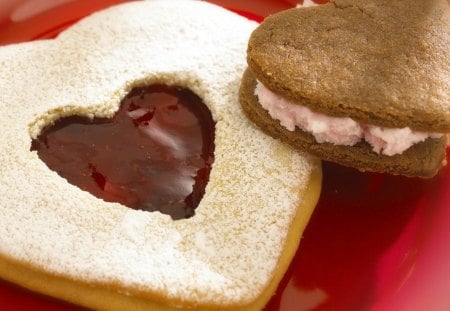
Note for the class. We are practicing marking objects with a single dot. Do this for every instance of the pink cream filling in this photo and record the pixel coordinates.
(335, 130)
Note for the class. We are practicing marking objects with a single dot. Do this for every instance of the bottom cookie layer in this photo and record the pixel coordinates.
(100, 297)
(421, 160)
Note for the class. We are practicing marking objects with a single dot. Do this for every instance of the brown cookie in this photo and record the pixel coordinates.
(421, 160)
(381, 62)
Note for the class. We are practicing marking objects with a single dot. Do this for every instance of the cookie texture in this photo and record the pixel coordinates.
(62, 241)
(380, 62)
(421, 160)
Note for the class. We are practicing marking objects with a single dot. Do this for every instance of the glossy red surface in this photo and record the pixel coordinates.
(375, 242)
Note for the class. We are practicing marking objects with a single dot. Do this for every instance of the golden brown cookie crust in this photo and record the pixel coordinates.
(381, 62)
(421, 160)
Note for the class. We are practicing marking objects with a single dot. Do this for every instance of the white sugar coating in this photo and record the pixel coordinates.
(228, 251)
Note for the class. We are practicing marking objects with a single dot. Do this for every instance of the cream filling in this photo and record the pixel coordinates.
(338, 131)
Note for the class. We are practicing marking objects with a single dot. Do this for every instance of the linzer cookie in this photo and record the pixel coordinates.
(361, 83)
(131, 179)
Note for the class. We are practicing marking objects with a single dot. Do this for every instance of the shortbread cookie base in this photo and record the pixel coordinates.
(226, 256)
(421, 160)
(109, 298)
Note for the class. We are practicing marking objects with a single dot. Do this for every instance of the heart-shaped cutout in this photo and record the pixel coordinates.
(155, 154)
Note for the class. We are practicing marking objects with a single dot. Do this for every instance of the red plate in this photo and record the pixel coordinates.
(375, 242)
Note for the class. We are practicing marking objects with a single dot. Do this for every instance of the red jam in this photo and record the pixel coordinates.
(155, 154)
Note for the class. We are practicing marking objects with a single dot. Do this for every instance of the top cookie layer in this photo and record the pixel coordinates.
(381, 62)
(227, 253)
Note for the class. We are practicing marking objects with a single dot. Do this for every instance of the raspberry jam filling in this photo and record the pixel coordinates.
(155, 154)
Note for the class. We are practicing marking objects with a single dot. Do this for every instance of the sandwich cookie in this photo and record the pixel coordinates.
(360, 83)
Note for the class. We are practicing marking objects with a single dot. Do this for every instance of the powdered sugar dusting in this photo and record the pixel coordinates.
(225, 254)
